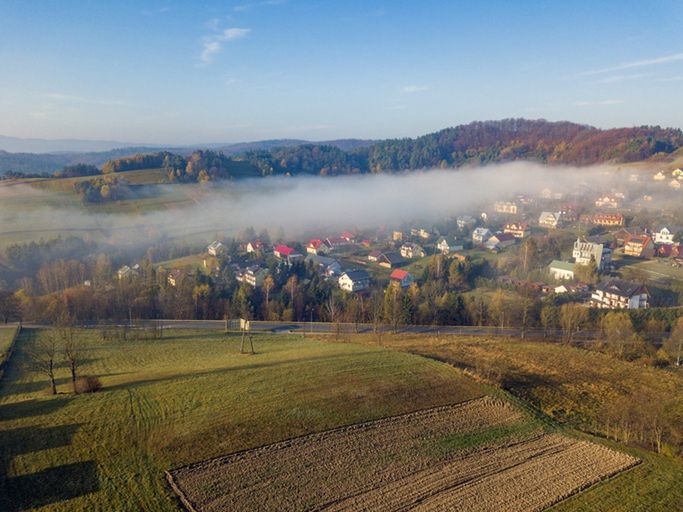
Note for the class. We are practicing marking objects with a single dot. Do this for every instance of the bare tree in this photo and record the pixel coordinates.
(43, 357)
(674, 344)
(572, 319)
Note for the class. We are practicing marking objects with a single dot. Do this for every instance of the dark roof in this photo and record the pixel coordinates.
(393, 257)
(620, 287)
(357, 275)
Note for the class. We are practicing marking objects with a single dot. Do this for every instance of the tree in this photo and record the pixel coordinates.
(529, 254)
(572, 319)
(71, 350)
(268, 285)
(618, 331)
(9, 306)
(674, 344)
(587, 273)
(498, 309)
(42, 358)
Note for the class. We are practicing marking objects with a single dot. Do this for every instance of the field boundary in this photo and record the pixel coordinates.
(351, 426)
(8, 354)
(180, 495)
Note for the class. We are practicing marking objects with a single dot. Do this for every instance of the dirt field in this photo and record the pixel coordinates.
(471, 456)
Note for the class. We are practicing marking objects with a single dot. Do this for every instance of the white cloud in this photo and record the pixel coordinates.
(597, 103)
(410, 89)
(621, 78)
(214, 44)
(664, 59)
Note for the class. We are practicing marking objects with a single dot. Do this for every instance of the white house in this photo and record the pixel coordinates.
(664, 236)
(660, 176)
(561, 269)
(317, 247)
(410, 250)
(549, 220)
(328, 266)
(620, 294)
(215, 248)
(444, 247)
(675, 184)
(584, 251)
(465, 221)
(354, 280)
(481, 235)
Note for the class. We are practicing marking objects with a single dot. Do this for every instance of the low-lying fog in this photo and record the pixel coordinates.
(296, 205)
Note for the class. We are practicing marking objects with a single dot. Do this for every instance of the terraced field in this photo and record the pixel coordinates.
(399, 464)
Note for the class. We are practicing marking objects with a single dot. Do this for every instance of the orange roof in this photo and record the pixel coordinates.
(399, 274)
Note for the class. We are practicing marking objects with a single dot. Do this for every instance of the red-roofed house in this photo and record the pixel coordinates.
(640, 247)
(402, 277)
(348, 236)
(283, 251)
(317, 247)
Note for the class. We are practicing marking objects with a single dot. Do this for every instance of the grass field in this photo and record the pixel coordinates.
(572, 386)
(185, 398)
(6, 337)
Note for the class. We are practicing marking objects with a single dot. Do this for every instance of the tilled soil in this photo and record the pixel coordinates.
(389, 464)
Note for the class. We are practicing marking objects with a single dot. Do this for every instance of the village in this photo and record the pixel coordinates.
(599, 248)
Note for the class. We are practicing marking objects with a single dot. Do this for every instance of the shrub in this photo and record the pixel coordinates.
(87, 384)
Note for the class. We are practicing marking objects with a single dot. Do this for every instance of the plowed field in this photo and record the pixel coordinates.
(471, 456)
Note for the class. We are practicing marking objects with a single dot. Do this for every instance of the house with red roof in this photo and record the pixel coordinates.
(317, 247)
(640, 247)
(401, 277)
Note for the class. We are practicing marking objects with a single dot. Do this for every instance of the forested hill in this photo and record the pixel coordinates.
(474, 143)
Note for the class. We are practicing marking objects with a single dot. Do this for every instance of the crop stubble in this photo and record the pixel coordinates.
(390, 464)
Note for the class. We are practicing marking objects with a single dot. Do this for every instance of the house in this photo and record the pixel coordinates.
(677, 173)
(317, 247)
(255, 246)
(286, 253)
(354, 280)
(666, 235)
(500, 241)
(608, 219)
(328, 266)
(422, 233)
(505, 207)
(375, 255)
(465, 221)
(634, 178)
(390, 260)
(619, 294)
(349, 237)
(550, 220)
(639, 247)
(585, 250)
(174, 277)
(445, 247)
(561, 270)
(397, 236)
(517, 229)
(410, 250)
(675, 184)
(337, 242)
(125, 272)
(216, 248)
(569, 212)
(282, 252)
(481, 235)
(403, 278)
(660, 176)
(254, 275)
(607, 202)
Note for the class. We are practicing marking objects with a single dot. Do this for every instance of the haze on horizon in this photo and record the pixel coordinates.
(177, 73)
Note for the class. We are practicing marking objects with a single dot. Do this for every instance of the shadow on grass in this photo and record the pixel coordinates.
(50, 486)
(24, 440)
(29, 408)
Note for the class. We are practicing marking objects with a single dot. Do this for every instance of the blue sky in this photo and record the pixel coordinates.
(189, 72)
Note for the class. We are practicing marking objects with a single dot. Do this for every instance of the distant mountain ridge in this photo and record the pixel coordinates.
(479, 142)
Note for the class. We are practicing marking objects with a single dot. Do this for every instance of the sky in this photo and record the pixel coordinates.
(211, 72)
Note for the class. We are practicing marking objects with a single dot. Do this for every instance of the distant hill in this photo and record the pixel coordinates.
(475, 143)
(21, 145)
